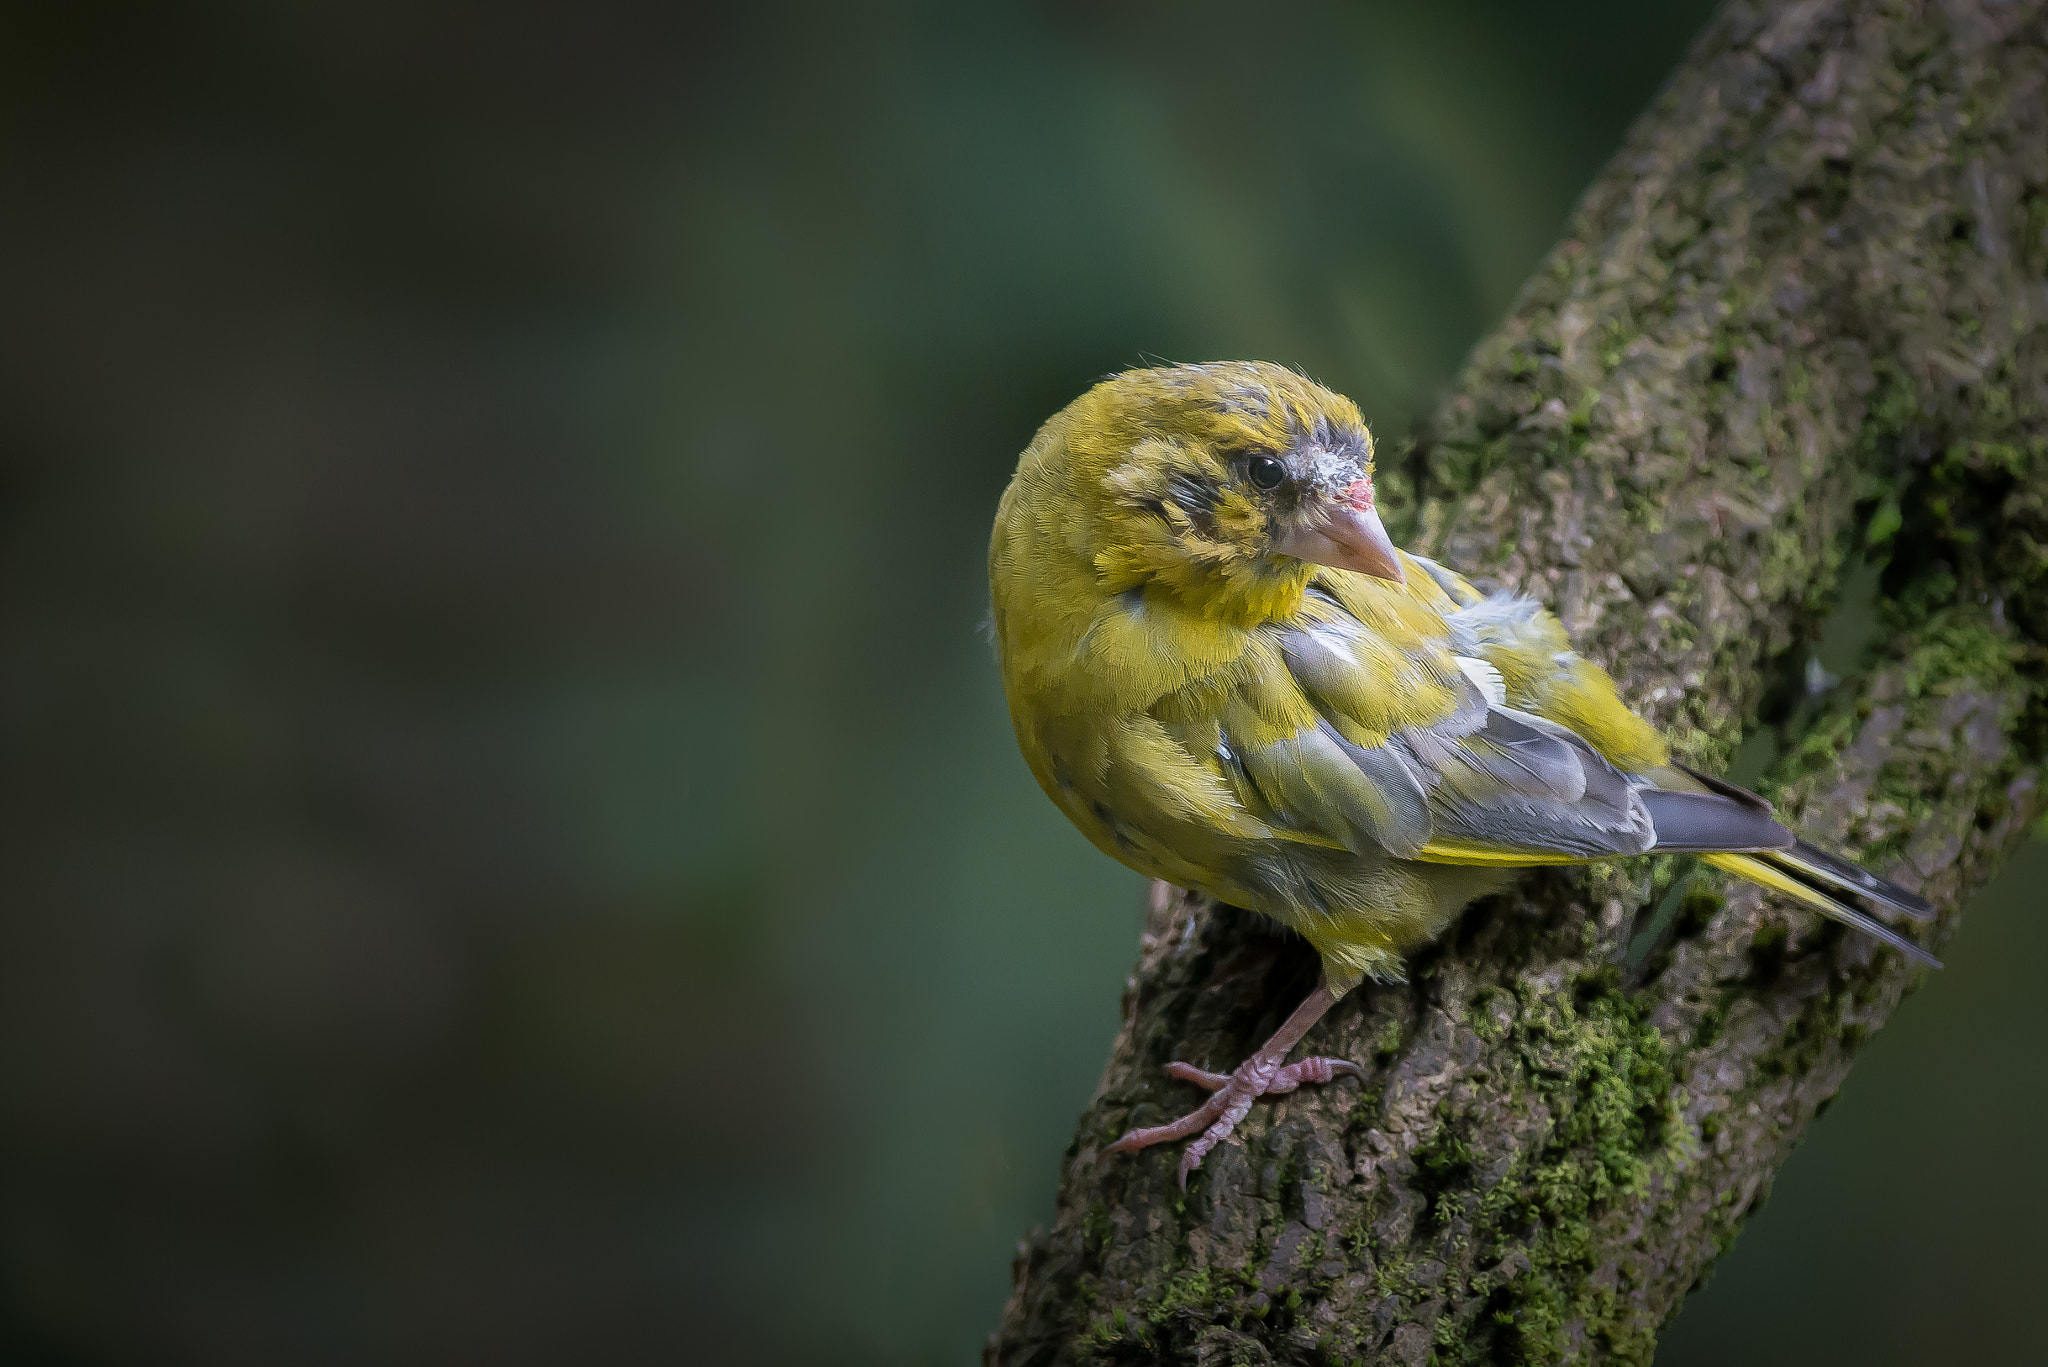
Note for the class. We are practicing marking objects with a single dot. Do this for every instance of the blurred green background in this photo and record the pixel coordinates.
(513, 850)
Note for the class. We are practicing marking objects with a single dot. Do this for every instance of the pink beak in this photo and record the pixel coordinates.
(1350, 538)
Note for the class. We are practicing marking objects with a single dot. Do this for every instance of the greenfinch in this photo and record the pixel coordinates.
(1223, 672)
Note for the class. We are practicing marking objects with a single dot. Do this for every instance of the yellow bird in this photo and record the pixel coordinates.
(1222, 671)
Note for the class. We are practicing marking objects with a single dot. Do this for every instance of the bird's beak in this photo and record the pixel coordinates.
(1349, 538)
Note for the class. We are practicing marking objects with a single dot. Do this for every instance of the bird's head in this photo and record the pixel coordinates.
(1225, 482)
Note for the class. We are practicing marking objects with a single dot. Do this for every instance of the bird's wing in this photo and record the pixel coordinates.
(1372, 725)
(1363, 728)
(1526, 650)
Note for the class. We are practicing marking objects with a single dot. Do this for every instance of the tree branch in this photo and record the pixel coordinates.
(1803, 310)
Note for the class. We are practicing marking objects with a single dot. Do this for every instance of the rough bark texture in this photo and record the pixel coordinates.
(1802, 313)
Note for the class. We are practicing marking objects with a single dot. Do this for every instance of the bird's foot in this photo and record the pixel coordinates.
(1260, 1075)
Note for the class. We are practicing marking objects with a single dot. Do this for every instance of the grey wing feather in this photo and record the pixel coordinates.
(1519, 783)
(1604, 783)
(1406, 825)
(1317, 781)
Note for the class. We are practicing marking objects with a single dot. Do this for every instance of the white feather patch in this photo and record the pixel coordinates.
(1485, 678)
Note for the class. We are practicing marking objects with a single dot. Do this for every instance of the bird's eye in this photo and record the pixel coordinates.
(1268, 473)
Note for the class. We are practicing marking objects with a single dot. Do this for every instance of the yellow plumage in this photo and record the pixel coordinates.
(1180, 689)
(1205, 682)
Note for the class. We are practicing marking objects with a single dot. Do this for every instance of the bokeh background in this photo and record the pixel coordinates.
(512, 847)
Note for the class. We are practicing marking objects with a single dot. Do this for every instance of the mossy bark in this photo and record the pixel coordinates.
(1802, 317)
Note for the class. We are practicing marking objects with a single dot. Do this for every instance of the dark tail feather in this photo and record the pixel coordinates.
(1693, 823)
(1770, 869)
(1733, 829)
(1832, 871)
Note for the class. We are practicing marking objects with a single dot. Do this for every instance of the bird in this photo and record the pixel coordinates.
(1221, 669)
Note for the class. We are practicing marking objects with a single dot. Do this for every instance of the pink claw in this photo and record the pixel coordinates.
(1232, 1093)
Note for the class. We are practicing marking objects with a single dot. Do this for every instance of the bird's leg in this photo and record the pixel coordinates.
(1262, 1074)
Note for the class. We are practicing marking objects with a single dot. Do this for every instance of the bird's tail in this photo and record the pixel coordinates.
(1818, 879)
(1734, 830)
